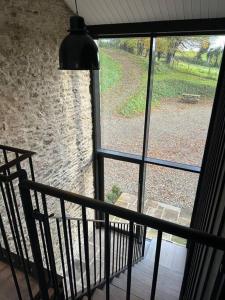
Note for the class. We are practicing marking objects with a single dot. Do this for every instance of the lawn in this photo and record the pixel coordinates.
(168, 81)
(112, 71)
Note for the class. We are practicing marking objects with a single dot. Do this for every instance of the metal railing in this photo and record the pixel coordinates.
(15, 247)
(134, 219)
(15, 243)
(73, 235)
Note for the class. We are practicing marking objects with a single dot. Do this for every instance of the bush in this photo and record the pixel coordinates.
(112, 196)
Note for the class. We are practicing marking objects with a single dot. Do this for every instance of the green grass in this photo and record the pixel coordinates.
(112, 71)
(170, 82)
(135, 104)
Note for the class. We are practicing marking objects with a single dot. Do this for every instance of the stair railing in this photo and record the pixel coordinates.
(15, 247)
(64, 199)
(96, 271)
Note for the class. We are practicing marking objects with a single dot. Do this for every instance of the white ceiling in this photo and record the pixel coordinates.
(130, 11)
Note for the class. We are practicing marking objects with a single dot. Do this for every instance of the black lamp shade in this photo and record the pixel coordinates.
(78, 50)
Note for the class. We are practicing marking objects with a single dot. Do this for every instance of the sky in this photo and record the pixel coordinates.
(218, 41)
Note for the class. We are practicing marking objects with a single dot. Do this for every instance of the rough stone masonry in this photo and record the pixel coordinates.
(44, 109)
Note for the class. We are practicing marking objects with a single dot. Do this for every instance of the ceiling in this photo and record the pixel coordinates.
(131, 11)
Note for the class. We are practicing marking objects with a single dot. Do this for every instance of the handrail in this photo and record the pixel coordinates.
(15, 161)
(18, 150)
(142, 219)
(8, 164)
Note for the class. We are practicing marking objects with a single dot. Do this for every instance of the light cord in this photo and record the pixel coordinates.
(76, 7)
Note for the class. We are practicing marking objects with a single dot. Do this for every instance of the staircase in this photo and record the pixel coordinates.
(94, 272)
(54, 256)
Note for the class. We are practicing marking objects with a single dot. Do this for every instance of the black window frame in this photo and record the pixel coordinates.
(151, 30)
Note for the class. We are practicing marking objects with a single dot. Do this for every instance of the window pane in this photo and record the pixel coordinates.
(121, 183)
(185, 77)
(123, 85)
(170, 194)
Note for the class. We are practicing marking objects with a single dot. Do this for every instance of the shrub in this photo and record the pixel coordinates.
(113, 195)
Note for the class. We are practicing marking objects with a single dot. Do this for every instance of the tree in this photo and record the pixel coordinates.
(204, 46)
(161, 47)
(214, 55)
(169, 46)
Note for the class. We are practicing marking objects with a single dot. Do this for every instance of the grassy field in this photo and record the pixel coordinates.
(168, 82)
(112, 72)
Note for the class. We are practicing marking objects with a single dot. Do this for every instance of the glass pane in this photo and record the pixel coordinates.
(170, 194)
(185, 77)
(121, 183)
(123, 85)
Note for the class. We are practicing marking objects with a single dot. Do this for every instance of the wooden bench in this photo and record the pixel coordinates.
(190, 98)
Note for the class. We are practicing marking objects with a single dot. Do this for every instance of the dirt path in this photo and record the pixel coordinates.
(129, 83)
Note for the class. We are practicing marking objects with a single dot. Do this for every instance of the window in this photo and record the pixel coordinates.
(156, 97)
(123, 80)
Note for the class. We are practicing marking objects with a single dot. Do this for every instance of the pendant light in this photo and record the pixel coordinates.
(78, 50)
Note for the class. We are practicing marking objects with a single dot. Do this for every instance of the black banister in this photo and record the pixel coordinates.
(66, 240)
(139, 218)
(62, 258)
(49, 244)
(94, 251)
(130, 258)
(16, 230)
(16, 150)
(72, 256)
(80, 254)
(86, 251)
(107, 254)
(32, 230)
(9, 258)
(156, 265)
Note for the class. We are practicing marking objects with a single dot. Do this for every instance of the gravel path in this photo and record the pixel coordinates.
(177, 132)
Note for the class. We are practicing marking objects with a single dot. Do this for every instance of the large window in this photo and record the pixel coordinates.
(156, 97)
(123, 80)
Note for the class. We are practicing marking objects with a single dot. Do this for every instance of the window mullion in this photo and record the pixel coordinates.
(142, 169)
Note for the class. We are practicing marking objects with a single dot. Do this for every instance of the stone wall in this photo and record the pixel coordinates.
(44, 109)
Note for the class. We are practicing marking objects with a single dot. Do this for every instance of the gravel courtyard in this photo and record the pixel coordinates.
(177, 132)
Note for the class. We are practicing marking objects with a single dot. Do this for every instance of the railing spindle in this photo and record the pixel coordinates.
(113, 248)
(107, 254)
(117, 247)
(51, 255)
(14, 207)
(136, 244)
(10, 220)
(120, 246)
(94, 250)
(62, 204)
(126, 244)
(9, 258)
(143, 241)
(44, 243)
(80, 255)
(129, 260)
(62, 258)
(123, 262)
(72, 256)
(100, 252)
(86, 251)
(33, 236)
(156, 264)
